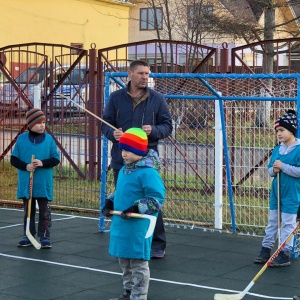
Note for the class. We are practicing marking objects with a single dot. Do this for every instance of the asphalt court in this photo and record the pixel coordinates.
(199, 263)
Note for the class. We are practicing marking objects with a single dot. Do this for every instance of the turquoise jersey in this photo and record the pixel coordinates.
(43, 177)
(289, 186)
(127, 236)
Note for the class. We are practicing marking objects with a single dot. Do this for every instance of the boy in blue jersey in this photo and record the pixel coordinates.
(284, 162)
(139, 189)
(40, 144)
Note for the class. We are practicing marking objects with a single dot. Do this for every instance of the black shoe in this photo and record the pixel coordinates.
(263, 256)
(282, 260)
(124, 296)
(296, 298)
(158, 253)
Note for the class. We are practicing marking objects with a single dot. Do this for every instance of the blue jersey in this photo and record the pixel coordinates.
(42, 177)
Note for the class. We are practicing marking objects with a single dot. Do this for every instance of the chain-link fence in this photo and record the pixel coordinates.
(207, 186)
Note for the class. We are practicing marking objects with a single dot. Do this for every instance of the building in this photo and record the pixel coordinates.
(68, 22)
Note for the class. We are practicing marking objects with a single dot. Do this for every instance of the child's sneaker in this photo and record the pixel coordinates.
(282, 260)
(263, 256)
(45, 243)
(124, 296)
(24, 242)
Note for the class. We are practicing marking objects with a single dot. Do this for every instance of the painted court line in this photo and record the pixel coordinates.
(53, 220)
(68, 217)
(152, 279)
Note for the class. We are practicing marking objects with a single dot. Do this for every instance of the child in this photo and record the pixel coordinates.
(139, 189)
(284, 162)
(40, 144)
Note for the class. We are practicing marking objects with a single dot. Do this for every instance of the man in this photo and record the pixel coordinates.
(138, 106)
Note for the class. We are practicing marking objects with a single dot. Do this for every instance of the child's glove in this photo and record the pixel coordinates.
(131, 209)
(109, 205)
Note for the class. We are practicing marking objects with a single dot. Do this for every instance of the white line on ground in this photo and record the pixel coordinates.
(152, 279)
(115, 273)
(61, 219)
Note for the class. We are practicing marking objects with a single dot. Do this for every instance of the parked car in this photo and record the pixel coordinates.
(36, 86)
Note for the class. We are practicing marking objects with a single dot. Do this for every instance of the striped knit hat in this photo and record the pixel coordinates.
(134, 140)
(34, 116)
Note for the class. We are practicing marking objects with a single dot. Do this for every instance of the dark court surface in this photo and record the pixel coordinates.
(198, 264)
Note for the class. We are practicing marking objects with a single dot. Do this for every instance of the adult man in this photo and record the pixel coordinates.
(138, 106)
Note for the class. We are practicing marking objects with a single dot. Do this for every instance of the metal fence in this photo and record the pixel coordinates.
(204, 187)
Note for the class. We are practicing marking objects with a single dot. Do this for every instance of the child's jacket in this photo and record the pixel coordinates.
(135, 182)
(289, 185)
(42, 177)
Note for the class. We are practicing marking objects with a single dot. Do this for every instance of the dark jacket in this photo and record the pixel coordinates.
(120, 113)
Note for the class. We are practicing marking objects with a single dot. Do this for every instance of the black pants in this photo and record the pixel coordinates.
(159, 240)
(44, 223)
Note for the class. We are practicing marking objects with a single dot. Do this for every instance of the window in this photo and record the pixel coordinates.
(76, 45)
(198, 16)
(148, 20)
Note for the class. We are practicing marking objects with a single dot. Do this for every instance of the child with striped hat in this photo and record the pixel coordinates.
(40, 144)
(139, 189)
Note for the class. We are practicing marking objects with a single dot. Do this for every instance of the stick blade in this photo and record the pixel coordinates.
(151, 227)
(228, 296)
(32, 240)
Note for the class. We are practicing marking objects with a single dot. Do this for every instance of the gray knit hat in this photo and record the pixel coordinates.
(288, 121)
(34, 116)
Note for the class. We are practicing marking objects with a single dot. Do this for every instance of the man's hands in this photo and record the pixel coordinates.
(147, 129)
(118, 133)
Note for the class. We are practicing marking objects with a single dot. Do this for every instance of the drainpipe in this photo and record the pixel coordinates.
(92, 132)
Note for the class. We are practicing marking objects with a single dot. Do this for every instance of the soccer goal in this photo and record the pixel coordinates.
(214, 165)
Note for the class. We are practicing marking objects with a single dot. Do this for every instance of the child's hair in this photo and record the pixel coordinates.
(134, 140)
(34, 116)
(288, 121)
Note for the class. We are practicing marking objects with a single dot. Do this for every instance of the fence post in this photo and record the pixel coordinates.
(218, 166)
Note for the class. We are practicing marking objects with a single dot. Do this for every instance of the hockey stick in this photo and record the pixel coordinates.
(89, 112)
(278, 209)
(33, 241)
(152, 220)
(267, 264)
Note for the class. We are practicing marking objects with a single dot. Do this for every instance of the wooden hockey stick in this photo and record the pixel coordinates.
(278, 209)
(267, 264)
(152, 220)
(33, 241)
(89, 112)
